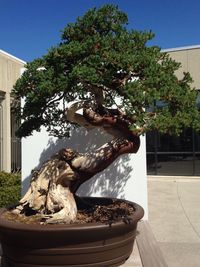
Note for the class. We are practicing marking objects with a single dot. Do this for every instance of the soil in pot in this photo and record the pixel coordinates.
(108, 213)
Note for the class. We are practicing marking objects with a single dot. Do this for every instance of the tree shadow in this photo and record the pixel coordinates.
(110, 182)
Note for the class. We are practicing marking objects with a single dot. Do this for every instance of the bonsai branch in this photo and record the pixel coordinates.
(72, 116)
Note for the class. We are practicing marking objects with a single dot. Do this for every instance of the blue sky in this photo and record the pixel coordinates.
(29, 27)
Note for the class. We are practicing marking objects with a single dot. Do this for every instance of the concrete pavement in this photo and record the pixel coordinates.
(174, 216)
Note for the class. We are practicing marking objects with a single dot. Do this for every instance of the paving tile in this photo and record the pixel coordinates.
(181, 255)
(167, 217)
(134, 260)
(174, 216)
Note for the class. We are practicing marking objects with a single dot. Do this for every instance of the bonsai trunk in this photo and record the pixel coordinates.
(54, 185)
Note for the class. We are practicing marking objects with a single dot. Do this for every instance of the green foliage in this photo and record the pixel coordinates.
(10, 188)
(98, 53)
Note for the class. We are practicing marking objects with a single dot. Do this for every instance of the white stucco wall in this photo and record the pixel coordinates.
(125, 178)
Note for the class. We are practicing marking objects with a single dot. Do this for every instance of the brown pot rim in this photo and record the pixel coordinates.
(137, 215)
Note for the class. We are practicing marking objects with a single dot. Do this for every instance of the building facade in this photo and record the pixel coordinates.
(10, 148)
(171, 155)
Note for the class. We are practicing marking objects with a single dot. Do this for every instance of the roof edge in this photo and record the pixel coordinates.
(181, 48)
(162, 50)
(13, 57)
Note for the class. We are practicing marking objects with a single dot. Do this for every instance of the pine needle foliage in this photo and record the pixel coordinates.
(99, 53)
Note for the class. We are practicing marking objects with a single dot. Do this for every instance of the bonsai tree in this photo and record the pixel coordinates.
(100, 75)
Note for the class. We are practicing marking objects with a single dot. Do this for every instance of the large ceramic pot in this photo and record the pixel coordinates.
(91, 244)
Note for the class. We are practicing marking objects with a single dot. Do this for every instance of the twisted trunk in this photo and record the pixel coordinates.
(52, 188)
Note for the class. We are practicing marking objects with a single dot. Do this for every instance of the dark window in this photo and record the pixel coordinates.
(172, 155)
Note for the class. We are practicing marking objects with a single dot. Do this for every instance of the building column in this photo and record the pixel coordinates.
(6, 157)
(1, 129)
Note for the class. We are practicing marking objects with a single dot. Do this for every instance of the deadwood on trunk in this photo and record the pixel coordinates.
(54, 185)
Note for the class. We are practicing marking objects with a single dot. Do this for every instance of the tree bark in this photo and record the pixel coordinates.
(53, 187)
